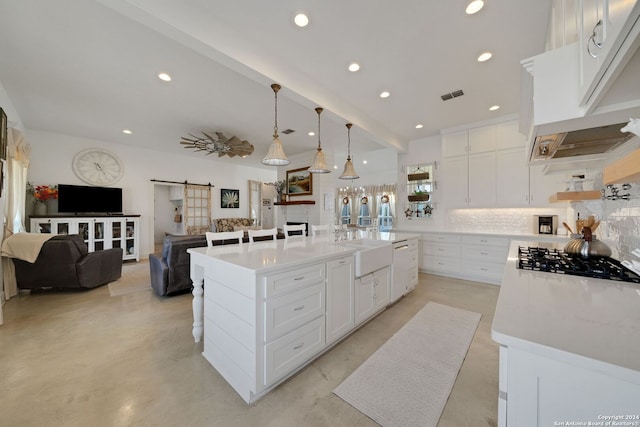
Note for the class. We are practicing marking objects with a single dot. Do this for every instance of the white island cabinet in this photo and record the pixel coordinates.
(569, 349)
(269, 308)
(266, 309)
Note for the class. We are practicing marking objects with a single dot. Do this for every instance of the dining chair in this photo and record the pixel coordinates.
(297, 230)
(262, 234)
(321, 229)
(222, 236)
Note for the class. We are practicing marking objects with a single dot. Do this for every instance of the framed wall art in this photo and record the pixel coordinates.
(3, 135)
(299, 182)
(229, 198)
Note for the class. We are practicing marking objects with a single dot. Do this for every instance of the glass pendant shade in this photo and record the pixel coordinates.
(275, 156)
(349, 172)
(319, 165)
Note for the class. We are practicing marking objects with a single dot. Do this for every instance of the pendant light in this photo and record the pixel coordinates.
(319, 165)
(349, 172)
(275, 156)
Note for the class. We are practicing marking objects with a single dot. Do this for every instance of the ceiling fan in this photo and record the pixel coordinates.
(220, 144)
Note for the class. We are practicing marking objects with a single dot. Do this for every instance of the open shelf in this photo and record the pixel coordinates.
(567, 196)
(296, 202)
(624, 170)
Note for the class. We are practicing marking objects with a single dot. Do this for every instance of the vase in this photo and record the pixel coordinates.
(283, 197)
(52, 206)
(40, 208)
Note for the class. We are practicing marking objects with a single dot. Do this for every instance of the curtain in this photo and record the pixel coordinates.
(14, 195)
(349, 202)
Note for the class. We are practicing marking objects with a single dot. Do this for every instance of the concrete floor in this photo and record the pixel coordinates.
(92, 359)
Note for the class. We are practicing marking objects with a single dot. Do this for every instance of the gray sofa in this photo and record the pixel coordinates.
(170, 269)
(65, 263)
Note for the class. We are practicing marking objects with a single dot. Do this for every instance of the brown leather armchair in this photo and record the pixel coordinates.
(65, 263)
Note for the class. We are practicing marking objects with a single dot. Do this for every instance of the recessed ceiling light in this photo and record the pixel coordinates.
(335, 166)
(364, 162)
(494, 108)
(485, 56)
(311, 133)
(354, 66)
(127, 131)
(384, 94)
(301, 20)
(164, 77)
(419, 126)
(474, 7)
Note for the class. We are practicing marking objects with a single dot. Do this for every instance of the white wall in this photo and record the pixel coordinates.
(52, 155)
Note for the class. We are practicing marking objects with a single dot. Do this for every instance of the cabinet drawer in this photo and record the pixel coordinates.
(442, 264)
(489, 253)
(290, 351)
(441, 249)
(276, 284)
(441, 237)
(484, 269)
(290, 311)
(486, 240)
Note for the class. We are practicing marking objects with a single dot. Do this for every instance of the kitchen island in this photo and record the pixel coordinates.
(268, 308)
(569, 348)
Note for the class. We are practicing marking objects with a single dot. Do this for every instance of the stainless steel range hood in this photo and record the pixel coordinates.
(585, 142)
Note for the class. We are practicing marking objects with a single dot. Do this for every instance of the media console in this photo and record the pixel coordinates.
(98, 231)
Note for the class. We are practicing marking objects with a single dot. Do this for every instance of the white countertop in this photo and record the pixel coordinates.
(519, 236)
(560, 316)
(268, 255)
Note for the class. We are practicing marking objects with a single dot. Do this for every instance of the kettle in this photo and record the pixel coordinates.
(586, 245)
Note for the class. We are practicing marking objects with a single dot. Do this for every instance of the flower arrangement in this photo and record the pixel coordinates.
(42, 193)
(280, 185)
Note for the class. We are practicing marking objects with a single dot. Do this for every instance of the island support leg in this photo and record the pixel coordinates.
(197, 276)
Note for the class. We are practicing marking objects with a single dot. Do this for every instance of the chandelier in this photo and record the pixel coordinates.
(219, 144)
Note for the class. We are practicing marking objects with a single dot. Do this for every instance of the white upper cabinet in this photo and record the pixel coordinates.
(605, 25)
(508, 136)
(513, 178)
(482, 139)
(455, 144)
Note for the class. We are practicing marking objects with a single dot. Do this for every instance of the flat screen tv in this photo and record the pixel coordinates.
(86, 199)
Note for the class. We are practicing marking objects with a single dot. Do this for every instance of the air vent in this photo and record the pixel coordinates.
(288, 131)
(454, 94)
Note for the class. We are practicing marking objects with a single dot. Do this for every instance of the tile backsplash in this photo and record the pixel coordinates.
(620, 222)
(507, 221)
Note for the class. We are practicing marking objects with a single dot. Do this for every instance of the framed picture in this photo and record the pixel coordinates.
(229, 198)
(299, 182)
(1, 177)
(3, 135)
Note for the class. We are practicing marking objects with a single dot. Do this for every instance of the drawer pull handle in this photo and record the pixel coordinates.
(484, 240)
(484, 269)
(299, 346)
(440, 250)
(441, 263)
(341, 262)
(298, 308)
(299, 278)
(484, 253)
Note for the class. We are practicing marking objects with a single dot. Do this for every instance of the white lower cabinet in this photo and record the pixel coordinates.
(467, 256)
(372, 294)
(540, 390)
(289, 351)
(340, 298)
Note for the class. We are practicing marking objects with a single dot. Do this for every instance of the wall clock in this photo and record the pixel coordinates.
(97, 167)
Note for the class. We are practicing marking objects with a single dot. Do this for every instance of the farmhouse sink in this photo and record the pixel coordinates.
(372, 255)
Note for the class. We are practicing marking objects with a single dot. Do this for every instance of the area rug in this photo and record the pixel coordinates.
(407, 381)
(135, 278)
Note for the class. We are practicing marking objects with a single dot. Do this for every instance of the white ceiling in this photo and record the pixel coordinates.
(88, 68)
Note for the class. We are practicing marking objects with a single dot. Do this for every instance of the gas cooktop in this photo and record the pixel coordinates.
(557, 261)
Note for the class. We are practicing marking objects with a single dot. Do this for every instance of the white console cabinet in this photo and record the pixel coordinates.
(99, 233)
